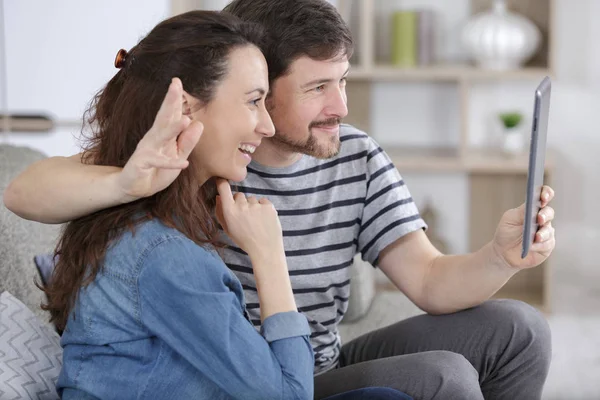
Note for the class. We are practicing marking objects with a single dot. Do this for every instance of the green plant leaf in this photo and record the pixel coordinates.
(511, 119)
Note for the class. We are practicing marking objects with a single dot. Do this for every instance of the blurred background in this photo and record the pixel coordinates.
(445, 86)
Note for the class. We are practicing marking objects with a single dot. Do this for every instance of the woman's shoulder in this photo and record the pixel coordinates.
(172, 261)
(150, 232)
(152, 240)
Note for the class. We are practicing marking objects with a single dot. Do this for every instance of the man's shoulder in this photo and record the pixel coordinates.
(354, 140)
(347, 129)
(350, 132)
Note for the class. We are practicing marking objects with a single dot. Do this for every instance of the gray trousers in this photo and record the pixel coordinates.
(498, 350)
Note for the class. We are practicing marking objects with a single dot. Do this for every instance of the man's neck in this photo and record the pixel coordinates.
(271, 155)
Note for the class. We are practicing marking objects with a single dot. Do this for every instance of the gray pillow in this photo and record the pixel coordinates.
(30, 353)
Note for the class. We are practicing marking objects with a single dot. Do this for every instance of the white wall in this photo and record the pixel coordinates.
(214, 4)
(58, 54)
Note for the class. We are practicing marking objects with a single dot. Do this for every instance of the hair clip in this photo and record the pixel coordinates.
(121, 58)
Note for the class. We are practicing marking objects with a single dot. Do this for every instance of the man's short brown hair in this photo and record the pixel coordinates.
(296, 28)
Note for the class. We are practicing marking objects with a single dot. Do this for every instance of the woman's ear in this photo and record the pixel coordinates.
(186, 103)
(191, 106)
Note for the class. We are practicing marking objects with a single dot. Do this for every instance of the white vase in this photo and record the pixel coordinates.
(513, 141)
(500, 39)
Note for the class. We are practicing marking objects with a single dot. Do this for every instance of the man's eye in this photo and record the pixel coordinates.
(320, 88)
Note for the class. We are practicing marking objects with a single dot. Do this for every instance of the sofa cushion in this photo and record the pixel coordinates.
(30, 353)
(21, 240)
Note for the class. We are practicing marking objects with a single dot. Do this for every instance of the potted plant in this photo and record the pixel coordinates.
(513, 138)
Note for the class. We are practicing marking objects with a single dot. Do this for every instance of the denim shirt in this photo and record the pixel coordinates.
(165, 319)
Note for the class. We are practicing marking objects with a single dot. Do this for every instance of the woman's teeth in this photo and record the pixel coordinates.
(247, 148)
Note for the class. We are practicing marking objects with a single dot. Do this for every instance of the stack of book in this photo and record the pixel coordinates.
(412, 39)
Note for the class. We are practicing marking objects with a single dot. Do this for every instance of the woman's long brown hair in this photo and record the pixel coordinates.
(193, 47)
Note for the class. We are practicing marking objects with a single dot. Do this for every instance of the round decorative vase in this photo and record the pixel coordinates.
(513, 141)
(500, 39)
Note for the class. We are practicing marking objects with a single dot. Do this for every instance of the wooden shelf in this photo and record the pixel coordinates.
(35, 123)
(26, 123)
(443, 73)
(474, 160)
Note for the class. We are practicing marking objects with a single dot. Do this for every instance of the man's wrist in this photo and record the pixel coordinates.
(115, 182)
(498, 261)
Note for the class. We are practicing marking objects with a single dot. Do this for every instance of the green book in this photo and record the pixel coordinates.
(404, 38)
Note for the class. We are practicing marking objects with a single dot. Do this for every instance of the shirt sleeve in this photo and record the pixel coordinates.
(185, 301)
(389, 212)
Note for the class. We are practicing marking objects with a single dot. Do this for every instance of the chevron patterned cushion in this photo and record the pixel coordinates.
(30, 353)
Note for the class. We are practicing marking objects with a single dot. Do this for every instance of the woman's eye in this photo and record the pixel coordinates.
(256, 102)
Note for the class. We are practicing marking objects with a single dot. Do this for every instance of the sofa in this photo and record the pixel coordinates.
(30, 353)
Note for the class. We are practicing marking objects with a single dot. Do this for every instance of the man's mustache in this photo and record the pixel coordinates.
(326, 123)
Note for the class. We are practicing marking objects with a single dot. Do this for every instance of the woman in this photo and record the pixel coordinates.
(155, 313)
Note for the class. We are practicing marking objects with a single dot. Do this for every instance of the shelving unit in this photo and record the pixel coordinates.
(443, 73)
(497, 182)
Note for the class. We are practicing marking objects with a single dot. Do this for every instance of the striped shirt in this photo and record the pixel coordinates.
(329, 210)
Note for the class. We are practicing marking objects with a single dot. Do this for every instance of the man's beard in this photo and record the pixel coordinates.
(311, 146)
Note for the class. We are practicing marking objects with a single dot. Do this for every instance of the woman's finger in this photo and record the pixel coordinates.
(188, 139)
(225, 195)
(266, 202)
(240, 198)
(219, 213)
(170, 110)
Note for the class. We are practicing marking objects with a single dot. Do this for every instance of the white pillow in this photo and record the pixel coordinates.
(30, 353)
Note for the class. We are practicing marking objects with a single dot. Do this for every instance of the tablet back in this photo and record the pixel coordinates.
(537, 157)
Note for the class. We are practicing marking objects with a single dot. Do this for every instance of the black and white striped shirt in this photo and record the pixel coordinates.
(329, 210)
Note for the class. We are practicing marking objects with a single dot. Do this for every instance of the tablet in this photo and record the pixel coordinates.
(537, 157)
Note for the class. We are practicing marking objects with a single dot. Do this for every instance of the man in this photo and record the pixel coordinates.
(337, 193)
